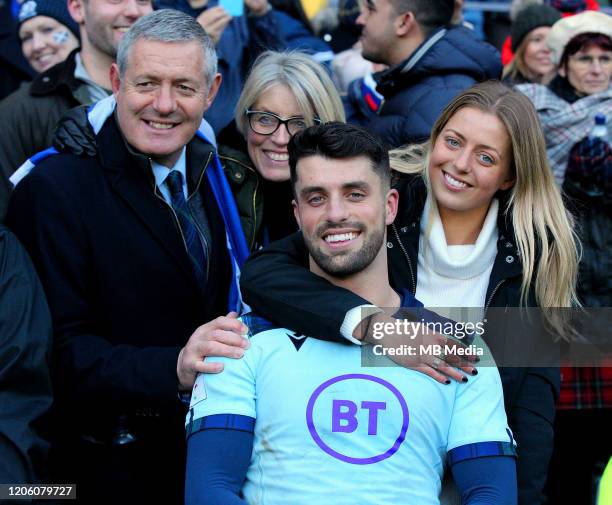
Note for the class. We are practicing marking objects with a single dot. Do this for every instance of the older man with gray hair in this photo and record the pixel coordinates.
(138, 250)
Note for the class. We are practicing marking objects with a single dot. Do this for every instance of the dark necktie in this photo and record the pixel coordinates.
(193, 240)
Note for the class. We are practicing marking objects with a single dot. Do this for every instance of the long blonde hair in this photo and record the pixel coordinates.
(543, 228)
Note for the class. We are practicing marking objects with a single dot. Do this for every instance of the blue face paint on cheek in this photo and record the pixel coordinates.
(60, 37)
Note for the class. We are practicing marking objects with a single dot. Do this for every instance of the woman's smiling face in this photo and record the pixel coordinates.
(45, 42)
(269, 152)
(538, 56)
(470, 161)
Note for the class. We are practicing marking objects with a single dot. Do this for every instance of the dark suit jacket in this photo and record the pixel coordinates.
(118, 279)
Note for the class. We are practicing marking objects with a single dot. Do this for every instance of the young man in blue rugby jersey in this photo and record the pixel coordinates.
(302, 421)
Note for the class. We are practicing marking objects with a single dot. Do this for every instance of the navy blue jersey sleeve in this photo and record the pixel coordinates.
(486, 481)
(217, 462)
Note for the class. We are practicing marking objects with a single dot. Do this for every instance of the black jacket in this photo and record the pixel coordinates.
(29, 116)
(417, 90)
(25, 351)
(274, 285)
(122, 294)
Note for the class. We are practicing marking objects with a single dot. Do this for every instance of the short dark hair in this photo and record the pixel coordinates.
(429, 14)
(585, 41)
(339, 141)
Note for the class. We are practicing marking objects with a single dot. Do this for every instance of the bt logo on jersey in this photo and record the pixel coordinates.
(344, 418)
(357, 418)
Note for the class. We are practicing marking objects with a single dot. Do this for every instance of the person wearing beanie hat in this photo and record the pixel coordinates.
(565, 7)
(47, 32)
(532, 60)
(532, 17)
(581, 46)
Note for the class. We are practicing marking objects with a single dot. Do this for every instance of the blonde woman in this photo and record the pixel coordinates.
(284, 93)
(532, 60)
(478, 210)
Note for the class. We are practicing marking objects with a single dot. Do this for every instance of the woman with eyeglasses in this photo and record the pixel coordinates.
(284, 93)
(582, 46)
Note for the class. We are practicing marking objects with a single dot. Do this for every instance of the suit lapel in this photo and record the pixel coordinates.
(130, 177)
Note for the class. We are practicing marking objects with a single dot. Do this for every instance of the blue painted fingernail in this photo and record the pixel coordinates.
(474, 372)
(464, 379)
(447, 382)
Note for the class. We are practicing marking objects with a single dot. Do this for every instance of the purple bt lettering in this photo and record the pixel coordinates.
(344, 410)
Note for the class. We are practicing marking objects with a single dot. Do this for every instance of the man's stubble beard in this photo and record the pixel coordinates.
(97, 36)
(353, 262)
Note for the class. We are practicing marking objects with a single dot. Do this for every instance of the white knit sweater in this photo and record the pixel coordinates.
(458, 275)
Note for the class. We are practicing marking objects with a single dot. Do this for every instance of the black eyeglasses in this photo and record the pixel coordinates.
(266, 123)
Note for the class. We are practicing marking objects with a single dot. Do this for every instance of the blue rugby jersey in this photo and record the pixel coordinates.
(324, 423)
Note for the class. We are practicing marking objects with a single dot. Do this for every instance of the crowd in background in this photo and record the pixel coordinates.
(390, 66)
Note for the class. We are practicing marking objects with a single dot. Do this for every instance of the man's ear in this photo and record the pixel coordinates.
(212, 92)
(76, 8)
(391, 206)
(404, 23)
(296, 212)
(115, 79)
